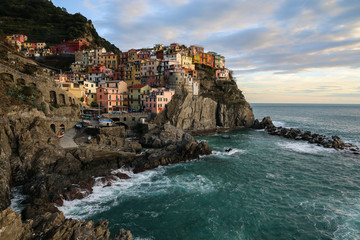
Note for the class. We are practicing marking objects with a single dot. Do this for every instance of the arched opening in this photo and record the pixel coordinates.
(73, 101)
(7, 77)
(21, 82)
(53, 100)
(52, 126)
(70, 101)
(62, 127)
(62, 99)
(123, 124)
(124, 118)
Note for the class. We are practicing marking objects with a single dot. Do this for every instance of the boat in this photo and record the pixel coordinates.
(60, 134)
(105, 122)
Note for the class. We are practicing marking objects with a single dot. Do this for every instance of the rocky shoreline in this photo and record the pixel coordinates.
(51, 174)
(334, 142)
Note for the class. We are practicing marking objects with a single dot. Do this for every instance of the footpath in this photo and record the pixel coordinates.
(67, 141)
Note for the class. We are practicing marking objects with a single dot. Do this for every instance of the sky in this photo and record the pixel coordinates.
(281, 51)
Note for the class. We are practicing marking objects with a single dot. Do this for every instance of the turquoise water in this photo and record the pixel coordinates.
(266, 187)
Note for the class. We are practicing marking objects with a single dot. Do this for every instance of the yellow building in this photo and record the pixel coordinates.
(158, 47)
(186, 62)
(89, 92)
(75, 89)
(110, 60)
(196, 59)
(136, 93)
(132, 55)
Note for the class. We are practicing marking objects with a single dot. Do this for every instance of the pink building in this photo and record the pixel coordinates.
(112, 96)
(222, 74)
(158, 99)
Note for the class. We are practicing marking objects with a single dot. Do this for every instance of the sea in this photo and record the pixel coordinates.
(265, 187)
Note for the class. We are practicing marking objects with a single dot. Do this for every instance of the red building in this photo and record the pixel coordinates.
(160, 54)
(70, 46)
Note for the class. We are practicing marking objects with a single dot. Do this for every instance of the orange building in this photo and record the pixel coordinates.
(110, 60)
(207, 59)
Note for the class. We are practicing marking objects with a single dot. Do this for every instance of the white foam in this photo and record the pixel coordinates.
(232, 152)
(304, 147)
(279, 124)
(148, 183)
(17, 198)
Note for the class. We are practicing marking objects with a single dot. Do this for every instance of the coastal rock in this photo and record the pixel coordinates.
(11, 226)
(177, 146)
(164, 136)
(55, 226)
(123, 235)
(265, 123)
(216, 105)
(298, 134)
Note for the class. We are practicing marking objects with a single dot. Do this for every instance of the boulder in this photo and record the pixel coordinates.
(11, 226)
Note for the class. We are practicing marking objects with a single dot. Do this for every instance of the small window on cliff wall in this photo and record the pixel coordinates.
(52, 126)
(53, 100)
(62, 99)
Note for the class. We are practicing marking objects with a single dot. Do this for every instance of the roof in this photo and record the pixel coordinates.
(136, 86)
(95, 71)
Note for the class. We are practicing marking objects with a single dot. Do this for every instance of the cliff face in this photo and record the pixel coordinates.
(219, 104)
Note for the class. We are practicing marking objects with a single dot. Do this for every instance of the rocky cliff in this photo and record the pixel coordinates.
(30, 155)
(219, 104)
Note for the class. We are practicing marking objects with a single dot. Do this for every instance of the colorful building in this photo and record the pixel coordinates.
(112, 96)
(195, 50)
(207, 59)
(136, 96)
(75, 89)
(186, 62)
(110, 60)
(158, 99)
(70, 47)
(222, 74)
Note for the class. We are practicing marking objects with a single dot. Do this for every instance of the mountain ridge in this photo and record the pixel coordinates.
(42, 21)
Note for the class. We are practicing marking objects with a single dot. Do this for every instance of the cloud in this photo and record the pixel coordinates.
(279, 38)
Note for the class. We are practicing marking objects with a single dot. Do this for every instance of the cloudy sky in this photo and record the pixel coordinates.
(290, 51)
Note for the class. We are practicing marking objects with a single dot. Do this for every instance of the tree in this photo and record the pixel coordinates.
(94, 104)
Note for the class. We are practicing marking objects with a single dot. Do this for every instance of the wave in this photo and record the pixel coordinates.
(17, 198)
(146, 184)
(304, 147)
(279, 124)
(345, 214)
(232, 152)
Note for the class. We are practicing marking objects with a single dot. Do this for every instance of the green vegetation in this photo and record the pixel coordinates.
(26, 94)
(94, 105)
(41, 21)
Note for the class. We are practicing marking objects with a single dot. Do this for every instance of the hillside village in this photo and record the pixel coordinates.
(141, 80)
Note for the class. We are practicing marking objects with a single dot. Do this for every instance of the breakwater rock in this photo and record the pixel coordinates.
(313, 138)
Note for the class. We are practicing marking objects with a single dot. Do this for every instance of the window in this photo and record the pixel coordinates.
(100, 96)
